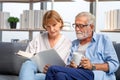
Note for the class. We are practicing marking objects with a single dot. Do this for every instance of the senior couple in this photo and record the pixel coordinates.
(100, 61)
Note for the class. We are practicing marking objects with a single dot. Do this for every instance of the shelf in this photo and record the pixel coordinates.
(101, 0)
(32, 30)
(28, 30)
(115, 30)
(22, 29)
(28, 1)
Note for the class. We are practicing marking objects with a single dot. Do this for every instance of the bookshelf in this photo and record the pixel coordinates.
(30, 2)
(25, 30)
(101, 0)
(114, 30)
(94, 8)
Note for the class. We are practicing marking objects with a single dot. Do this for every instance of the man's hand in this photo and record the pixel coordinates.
(73, 65)
(46, 68)
(86, 64)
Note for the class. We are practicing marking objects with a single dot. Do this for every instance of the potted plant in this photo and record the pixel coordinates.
(13, 21)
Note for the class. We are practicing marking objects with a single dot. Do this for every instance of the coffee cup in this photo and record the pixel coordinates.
(77, 56)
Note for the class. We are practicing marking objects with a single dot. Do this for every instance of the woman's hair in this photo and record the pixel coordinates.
(53, 15)
(91, 18)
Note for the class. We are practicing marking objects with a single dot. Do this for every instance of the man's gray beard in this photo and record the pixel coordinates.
(80, 36)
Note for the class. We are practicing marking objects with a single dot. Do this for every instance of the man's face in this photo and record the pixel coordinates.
(82, 28)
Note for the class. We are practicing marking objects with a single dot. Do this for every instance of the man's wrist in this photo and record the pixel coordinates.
(93, 67)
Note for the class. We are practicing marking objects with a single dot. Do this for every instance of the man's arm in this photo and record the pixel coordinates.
(85, 63)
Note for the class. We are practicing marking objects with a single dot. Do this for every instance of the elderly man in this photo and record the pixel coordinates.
(100, 61)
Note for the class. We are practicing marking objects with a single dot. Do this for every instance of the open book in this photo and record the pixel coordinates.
(25, 54)
(42, 58)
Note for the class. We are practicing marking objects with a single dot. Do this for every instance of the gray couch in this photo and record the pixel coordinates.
(10, 63)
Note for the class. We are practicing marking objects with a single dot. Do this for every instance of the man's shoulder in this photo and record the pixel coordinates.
(100, 36)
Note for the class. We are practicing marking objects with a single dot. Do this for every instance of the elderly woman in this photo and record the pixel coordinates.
(52, 38)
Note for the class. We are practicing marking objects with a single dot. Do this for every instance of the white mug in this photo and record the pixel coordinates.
(77, 56)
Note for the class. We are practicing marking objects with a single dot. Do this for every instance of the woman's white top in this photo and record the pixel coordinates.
(41, 43)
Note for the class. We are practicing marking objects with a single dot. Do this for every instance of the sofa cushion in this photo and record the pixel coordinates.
(9, 61)
(117, 49)
(8, 77)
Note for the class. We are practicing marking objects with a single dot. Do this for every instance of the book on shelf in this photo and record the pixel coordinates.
(112, 19)
(37, 16)
(31, 19)
(115, 19)
(3, 20)
(42, 58)
(118, 19)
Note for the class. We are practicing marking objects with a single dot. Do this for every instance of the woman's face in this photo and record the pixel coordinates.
(53, 27)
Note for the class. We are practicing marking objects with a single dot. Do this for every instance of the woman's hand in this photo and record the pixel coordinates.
(46, 68)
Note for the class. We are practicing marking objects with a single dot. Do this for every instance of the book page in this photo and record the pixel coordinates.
(50, 56)
(25, 54)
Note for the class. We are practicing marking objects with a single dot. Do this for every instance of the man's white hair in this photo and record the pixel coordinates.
(91, 17)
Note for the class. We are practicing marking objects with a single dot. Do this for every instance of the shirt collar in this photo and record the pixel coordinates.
(94, 38)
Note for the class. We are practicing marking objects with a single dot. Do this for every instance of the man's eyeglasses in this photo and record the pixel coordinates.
(80, 25)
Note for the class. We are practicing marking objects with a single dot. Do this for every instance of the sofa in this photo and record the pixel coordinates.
(10, 63)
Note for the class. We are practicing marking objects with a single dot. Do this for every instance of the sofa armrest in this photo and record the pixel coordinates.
(117, 49)
(10, 63)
